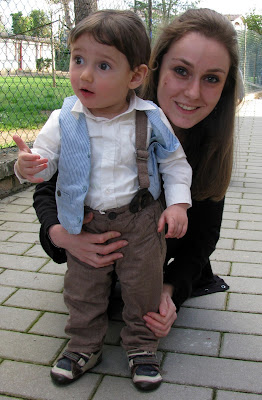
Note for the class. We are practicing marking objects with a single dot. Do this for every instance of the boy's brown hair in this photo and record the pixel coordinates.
(122, 29)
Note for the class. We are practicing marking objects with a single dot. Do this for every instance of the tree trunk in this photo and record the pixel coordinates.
(83, 8)
(69, 23)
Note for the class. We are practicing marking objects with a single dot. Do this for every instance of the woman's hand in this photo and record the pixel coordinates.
(160, 323)
(88, 247)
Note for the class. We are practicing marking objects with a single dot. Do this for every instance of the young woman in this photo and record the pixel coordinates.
(193, 78)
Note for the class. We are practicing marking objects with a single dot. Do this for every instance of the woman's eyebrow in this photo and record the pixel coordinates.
(186, 62)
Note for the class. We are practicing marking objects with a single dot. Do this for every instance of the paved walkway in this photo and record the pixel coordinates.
(214, 351)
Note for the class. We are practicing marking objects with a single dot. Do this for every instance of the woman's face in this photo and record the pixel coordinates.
(192, 76)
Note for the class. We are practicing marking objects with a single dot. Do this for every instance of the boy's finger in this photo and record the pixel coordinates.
(21, 144)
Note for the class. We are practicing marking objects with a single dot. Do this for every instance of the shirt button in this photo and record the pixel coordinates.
(112, 215)
(58, 193)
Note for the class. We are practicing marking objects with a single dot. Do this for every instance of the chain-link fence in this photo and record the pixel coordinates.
(34, 58)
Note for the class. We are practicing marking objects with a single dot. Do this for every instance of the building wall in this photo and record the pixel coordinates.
(21, 54)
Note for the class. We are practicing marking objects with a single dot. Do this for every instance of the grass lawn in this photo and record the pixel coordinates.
(26, 101)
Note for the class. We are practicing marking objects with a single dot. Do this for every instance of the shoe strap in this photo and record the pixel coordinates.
(144, 360)
(75, 357)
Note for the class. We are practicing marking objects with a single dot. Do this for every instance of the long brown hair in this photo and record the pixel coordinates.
(209, 144)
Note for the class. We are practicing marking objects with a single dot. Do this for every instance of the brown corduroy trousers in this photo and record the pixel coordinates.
(140, 272)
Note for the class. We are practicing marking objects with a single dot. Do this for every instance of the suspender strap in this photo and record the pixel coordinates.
(141, 150)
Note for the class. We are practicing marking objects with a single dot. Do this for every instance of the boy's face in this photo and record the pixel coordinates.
(100, 76)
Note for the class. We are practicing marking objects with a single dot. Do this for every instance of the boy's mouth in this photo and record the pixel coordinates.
(86, 91)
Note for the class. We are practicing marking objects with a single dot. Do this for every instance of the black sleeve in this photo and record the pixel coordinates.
(190, 265)
(46, 211)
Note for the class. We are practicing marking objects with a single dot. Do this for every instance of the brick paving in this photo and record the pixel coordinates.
(214, 350)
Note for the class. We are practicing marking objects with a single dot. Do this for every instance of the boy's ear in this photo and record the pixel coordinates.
(138, 76)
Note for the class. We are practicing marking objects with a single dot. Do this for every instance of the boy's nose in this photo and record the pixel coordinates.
(87, 74)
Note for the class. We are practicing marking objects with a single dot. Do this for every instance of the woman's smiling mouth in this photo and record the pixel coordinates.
(187, 108)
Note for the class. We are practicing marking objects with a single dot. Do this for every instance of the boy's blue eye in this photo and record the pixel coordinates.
(79, 60)
(104, 66)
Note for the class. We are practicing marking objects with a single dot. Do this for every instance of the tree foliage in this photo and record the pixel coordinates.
(162, 10)
(36, 24)
(254, 22)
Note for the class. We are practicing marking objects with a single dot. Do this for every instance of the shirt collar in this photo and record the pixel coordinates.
(136, 103)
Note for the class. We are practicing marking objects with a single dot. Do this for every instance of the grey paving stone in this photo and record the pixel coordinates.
(225, 244)
(51, 324)
(244, 285)
(244, 303)
(221, 267)
(237, 256)
(10, 261)
(24, 201)
(15, 248)
(21, 227)
(32, 280)
(243, 347)
(29, 348)
(30, 210)
(16, 319)
(249, 245)
(248, 270)
(54, 268)
(25, 237)
(36, 251)
(16, 217)
(240, 201)
(12, 208)
(251, 209)
(234, 208)
(252, 196)
(231, 195)
(241, 234)
(5, 236)
(221, 321)
(214, 301)
(228, 223)
(5, 292)
(252, 225)
(191, 341)
(38, 300)
(113, 388)
(242, 216)
(16, 380)
(225, 395)
(199, 371)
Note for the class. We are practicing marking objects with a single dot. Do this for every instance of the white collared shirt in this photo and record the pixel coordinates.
(113, 176)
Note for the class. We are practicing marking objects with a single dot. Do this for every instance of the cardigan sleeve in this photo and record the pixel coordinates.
(46, 211)
(189, 266)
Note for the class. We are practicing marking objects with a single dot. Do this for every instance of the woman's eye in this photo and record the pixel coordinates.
(79, 60)
(180, 71)
(104, 66)
(212, 79)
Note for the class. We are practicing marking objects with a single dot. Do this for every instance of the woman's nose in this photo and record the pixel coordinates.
(193, 89)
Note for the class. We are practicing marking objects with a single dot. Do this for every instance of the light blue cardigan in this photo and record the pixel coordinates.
(75, 163)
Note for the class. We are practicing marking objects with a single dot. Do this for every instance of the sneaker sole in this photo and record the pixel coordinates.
(147, 386)
(62, 380)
